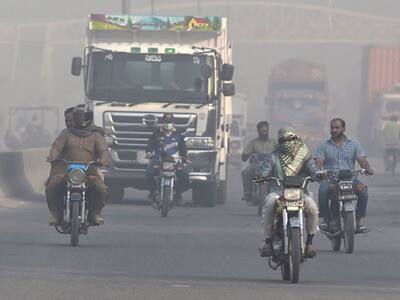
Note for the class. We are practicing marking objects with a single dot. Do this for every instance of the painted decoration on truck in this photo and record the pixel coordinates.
(128, 22)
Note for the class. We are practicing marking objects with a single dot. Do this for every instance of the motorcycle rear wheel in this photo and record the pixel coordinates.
(75, 224)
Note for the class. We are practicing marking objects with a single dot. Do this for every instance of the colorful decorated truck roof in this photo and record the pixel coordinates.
(102, 22)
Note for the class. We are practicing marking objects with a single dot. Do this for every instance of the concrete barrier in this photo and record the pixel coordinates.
(23, 172)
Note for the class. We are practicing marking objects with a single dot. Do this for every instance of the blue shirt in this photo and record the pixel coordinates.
(340, 158)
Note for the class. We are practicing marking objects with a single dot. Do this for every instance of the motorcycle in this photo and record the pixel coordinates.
(288, 226)
(166, 179)
(76, 202)
(390, 159)
(259, 189)
(343, 203)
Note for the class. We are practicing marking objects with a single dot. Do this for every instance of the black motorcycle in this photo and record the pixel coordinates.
(288, 226)
(343, 203)
(259, 188)
(76, 202)
(166, 169)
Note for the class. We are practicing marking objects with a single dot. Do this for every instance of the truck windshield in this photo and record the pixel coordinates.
(135, 77)
(392, 105)
(303, 110)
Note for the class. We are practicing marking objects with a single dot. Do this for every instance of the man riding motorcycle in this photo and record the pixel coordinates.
(166, 141)
(261, 145)
(291, 158)
(81, 143)
(336, 154)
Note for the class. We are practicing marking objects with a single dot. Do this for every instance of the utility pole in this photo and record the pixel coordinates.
(125, 7)
(198, 7)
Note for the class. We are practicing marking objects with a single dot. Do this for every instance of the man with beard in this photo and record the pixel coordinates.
(83, 142)
(291, 158)
(336, 154)
(261, 145)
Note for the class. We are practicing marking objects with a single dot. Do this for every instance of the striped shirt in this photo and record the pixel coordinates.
(340, 158)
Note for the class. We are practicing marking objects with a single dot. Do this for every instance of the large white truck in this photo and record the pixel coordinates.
(137, 68)
(238, 130)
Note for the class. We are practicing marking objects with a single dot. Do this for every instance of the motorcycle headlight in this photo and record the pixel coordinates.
(292, 194)
(76, 176)
(168, 166)
(199, 142)
(346, 186)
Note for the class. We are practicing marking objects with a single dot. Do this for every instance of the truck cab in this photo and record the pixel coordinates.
(137, 68)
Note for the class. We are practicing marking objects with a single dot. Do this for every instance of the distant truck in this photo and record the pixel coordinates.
(135, 69)
(380, 92)
(298, 96)
(238, 130)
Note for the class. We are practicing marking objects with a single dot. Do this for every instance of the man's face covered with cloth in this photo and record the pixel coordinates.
(293, 153)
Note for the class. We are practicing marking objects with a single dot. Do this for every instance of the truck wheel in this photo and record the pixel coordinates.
(115, 193)
(205, 194)
(222, 193)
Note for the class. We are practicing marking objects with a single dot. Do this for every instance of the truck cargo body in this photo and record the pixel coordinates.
(380, 90)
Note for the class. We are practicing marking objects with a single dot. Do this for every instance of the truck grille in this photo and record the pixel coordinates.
(130, 132)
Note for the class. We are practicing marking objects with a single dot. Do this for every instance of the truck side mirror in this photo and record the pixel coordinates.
(76, 66)
(227, 72)
(206, 70)
(228, 89)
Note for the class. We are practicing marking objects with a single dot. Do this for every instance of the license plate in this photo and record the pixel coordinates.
(347, 197)
(167, 182)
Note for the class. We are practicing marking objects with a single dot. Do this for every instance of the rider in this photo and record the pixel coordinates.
(391, 135)
(81, 143)
(291, 158)
(166, 141)
(261, 145)
(336, 154)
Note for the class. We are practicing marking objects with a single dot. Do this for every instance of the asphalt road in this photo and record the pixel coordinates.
(195, 253)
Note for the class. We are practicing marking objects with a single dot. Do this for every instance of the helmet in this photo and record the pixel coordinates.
(81, 117)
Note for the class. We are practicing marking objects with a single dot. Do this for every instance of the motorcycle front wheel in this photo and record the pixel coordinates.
(75, 224)
(166, 195)
(295, 254)
(349, 223)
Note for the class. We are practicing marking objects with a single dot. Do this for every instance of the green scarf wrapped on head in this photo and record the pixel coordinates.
(293, 153)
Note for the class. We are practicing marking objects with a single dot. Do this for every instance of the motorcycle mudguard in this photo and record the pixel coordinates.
(348, 206)
(76, 197)
(295, 222)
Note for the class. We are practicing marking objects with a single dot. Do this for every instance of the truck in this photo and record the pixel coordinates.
(380, 92)
(298, 96)
(238, 130)
(135, 69)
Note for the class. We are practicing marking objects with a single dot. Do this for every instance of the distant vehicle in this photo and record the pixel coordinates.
(238, 130)
(298, 96)
(380, 92)
(31, 127)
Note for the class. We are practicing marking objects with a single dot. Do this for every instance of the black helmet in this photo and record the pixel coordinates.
(81, 117)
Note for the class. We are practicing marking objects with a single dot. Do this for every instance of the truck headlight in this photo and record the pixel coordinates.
(76, 176)
(292, 194)
(199, 142)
